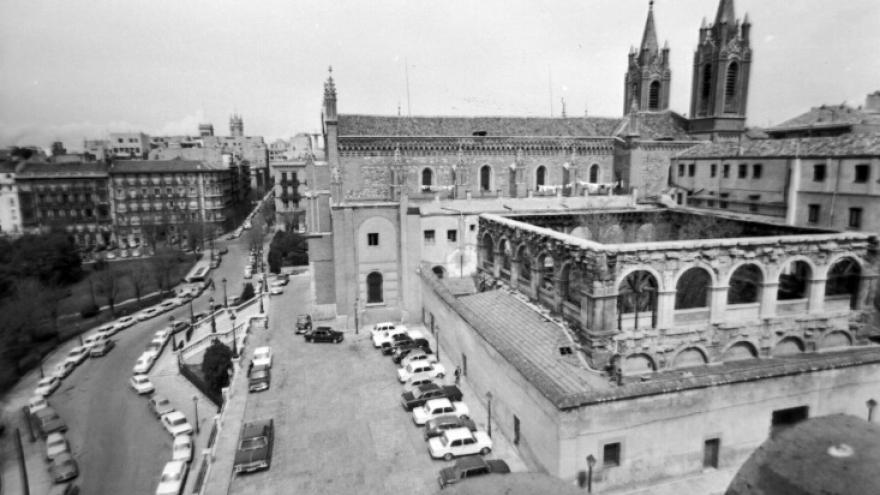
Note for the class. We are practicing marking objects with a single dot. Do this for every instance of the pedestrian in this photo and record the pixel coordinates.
(457, 374)
(250, 368)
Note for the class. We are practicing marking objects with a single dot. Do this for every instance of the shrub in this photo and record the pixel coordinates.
(248, 292)
(89, 310)
(216, 364)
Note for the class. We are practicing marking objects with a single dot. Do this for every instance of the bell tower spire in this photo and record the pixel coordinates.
(648, 75)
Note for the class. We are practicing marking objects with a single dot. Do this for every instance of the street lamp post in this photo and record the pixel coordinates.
(211, 310)
(234, 343)
(489, 414)
(173, 337)
(196, 407)
(591, 461)
(871, 405)
(192, 316)
(225, 298)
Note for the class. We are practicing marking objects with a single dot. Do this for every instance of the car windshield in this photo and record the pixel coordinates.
(253, 443)
(56, 442)
(46, 381)
(178, 421)
(444, 440)
(170, 477)
(182, 446)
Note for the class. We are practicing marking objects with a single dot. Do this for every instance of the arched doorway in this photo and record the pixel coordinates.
(794, 281)
(844, 278)
(637, 301)
(487, 252)
(540, 177)
(692, 295)
(374, 288)
(572, 284)
(745, 285)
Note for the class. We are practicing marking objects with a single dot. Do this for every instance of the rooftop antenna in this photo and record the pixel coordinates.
(398, 108)
(563, 107)
(550, 88)
(406, 72)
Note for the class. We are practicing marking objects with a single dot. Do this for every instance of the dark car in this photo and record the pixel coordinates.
(303, 323)
(397, 341)
(470, 466)
(259, 380)
(63, 468)
(254, 447)
(180, 326)
(436, 426)
(428, 391)
(48, 421)
(324, 334)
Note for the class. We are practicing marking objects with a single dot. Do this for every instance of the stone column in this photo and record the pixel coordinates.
(816, 301)
(717, 303)
(533, 283)
(867, 291)
(666, 309)
(768, 299)
(496, 263)
(514, 272)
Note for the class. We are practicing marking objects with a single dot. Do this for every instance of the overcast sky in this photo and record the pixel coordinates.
(72, 69)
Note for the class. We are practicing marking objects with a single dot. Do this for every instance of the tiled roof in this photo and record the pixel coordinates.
(73, 169)
(376, 125)
(162, 166)
(829, 116)
(845, 145)
(7, 166)
(665, 125)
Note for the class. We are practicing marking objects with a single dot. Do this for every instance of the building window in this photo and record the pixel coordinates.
(654, 96)
(486, 178)
(813, 213)
(681, 169)
(540, 177)
(819, 173)
(726, 171)
(692, 169)
(757, 170)
(855, 218)
(863, 173)
(611, 455)
(427, 179)
(429, 237)
(374, 288)
(754, 199)
(723, 202)
(785, 418)
(373, 239)
(452, 235)
(594, 173)
(711, 449)
(743, 171)
(473, 227)
(713, 170)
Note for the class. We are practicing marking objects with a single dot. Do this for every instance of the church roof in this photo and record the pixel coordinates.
(662, 126)
(649, 38)
(826, 116)
(378, 125)
(725, 13)
(844, 145)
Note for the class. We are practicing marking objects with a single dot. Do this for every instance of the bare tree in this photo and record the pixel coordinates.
(139, 280)
(109, 285)
(602, 227)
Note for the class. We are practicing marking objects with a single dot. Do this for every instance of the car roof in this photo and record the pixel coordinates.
(262, 349)
(458, 433)
(254, 428)
(172, 467)
(156, 399)
(175, 415)
(182, 439)
(438, 403)
(470, 461)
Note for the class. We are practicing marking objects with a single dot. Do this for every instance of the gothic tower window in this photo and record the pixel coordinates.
(730, 93)
(706, 88)
(427, 179)
(374, 288)
(486, 178)
(594, 173)
(654, 96)
(540, 177)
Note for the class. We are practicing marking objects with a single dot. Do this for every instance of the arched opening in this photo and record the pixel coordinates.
(486, 178)
(730, 85)
(836, 339)
(427, 179)
(566, 180)
(637, 301)
(594, 173)
(843, 281)
(525, 265)
(794, 281)
(506, 255)
(374, 288)
(692, 289)
(654, 96)
(745, 285)
(439, 271)
(788, 346)
(540, 177)
(637, 363)
(572, 284)
(740, 351)
(706, 89)
(548, 273)
(689, 357)
(487, 251)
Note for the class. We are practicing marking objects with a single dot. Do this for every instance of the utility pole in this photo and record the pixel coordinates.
(21, 465)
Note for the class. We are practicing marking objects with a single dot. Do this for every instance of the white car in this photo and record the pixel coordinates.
(182, 448)
(420, 369)
(142, 384)
(47, 385)
(109, 329)
(64, 368)
(387, 336)
(262, 357)
(168, 304)
(248, 273)
(56, 444)
(438, 407)
(417, 356)
(382, 327)
(78, 354)
(459, 441)
(172, 480)
(92, 340)
(176, 424)
(144, 363)
(276, 290)
(148, 313)
(36, 403)
(125, 322)
(162, 335)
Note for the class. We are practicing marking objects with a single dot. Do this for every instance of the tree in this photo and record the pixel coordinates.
(109, 284)
(269, 212)
(287, 248)
(139, 280)
(163, 263)
(216, 365)
(49, 257)
(247, 292)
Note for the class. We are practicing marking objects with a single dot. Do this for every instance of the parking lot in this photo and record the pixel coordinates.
(339, 425)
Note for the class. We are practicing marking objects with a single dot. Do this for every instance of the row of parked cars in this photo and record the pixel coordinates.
(448, 429)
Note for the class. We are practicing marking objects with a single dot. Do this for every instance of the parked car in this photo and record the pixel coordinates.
(438, 407)
(107, 331)
(382, 327)
(63, 468)
(416, 356)
(324, 334)
(262, 357)
(386, 336)
(168, 304)
(148, 313)
(469, 467)
(56, 444)
(458, 442)
(259, 380)
(179, 326)
(429, 370)
(303, 323)
(48, 421)
(223, 250)
(435, 427)
(144, 363)
(397, 341)
(47, 385)
(160, 405)
(78, 354)
(254, 446)
(141, 384)
(182, 448)
(176, 424)
(36, 403)
(173, 478)
(276, 290)
(65, 489)
(102, 348)
(415, 383)
(424, 393)
(63, 369)
(125, 322)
